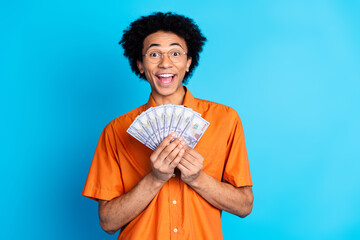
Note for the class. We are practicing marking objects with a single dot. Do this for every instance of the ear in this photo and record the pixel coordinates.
(140, 66)
(188, 64)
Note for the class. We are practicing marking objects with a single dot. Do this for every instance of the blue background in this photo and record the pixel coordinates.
(290, 68)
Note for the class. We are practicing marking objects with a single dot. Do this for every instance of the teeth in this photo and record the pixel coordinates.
(166, 75)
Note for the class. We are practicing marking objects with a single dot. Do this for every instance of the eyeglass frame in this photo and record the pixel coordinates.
(162, 56)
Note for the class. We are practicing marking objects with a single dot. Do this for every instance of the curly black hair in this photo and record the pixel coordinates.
(133, 37)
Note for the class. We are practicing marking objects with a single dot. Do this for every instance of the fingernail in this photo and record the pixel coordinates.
(172, 134)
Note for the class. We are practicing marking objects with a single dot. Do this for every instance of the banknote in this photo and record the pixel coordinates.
(160, 115)
(169, 109)
(141, 138)
(184, 121)
(144, 123)
(177, 115)
(194, 131)
(156, 123)
(140, 131)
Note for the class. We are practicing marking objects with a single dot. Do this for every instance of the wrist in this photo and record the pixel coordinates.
(196, 183)
(155, 181)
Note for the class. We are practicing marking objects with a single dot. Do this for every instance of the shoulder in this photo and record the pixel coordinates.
(216, 108)
(122, 122)
(221, 117)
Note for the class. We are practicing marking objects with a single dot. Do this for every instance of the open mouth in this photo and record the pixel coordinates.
(165, 79)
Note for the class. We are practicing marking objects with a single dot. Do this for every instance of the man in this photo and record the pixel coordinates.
(173, 192)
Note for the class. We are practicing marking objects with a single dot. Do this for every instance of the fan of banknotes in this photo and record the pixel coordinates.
(156, 123)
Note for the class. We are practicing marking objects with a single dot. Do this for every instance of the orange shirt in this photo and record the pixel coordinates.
(177, 211)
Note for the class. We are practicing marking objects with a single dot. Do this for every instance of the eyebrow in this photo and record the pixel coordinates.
(158, 45)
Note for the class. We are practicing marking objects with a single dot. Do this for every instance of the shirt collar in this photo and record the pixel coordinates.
(189, 101)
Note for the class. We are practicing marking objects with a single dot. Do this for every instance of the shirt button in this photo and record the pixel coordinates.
(174, 202)
(175, 229)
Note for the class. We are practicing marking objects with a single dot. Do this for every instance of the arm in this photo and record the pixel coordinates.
(221, 195)
(224, 196)
(117, 212)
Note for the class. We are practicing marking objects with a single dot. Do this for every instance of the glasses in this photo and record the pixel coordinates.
(175, 55)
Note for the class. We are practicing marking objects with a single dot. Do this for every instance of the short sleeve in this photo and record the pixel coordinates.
(104, 178)
(237, 170)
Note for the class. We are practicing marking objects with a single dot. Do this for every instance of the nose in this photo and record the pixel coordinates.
(165, 61)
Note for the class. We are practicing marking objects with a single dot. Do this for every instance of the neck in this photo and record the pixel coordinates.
(177, 98)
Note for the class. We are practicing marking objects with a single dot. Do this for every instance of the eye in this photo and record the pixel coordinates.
(176, 53)
(154, 54)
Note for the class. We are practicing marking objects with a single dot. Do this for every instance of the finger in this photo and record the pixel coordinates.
(187, 164)
(192, 164)
(170, 148)
(169, 158)
(194, 156)
(193, 152)
(177, 159)
(189, 157)
(163, 145)
(183, 169)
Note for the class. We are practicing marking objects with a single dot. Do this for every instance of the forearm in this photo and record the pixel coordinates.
(116, 213)
(224, 196)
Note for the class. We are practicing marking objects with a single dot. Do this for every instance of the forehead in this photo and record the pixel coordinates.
(163, 40)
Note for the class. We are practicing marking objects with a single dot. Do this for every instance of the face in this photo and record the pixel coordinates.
(165, 77)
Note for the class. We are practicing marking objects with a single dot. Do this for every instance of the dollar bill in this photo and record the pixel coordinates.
(156, 123)
(169, 109)
(144, 122)
(160, 120)
(140, 131)
(177, 116)
(141, 138)
(194, 131)
(184, 121)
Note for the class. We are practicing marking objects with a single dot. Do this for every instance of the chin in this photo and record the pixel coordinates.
(166, 91)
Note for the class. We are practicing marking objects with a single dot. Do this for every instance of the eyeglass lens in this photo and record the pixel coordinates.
(175, 55)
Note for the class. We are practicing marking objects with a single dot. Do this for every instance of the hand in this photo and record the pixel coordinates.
(190, 165)
(166, 157)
